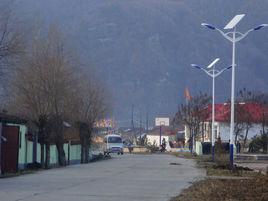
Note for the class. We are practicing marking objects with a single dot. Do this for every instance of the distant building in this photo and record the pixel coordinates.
(154, 136)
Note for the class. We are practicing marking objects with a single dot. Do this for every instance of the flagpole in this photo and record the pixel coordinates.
(187, 99)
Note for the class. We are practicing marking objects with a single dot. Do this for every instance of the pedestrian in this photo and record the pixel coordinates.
(238, 146)
(171, 144)
(163, 146)
(227, 147)
(190, 142)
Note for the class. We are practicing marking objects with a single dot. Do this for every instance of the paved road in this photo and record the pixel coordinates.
(123, 178)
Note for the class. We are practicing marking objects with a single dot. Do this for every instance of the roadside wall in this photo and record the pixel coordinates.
(26, 151)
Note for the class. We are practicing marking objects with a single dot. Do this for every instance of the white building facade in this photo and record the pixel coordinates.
(222, 125)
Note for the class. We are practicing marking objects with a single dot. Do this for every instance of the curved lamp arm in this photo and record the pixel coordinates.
(225, 35)
(243, 35)
(211, 73)
(203, 69)
(221, 71)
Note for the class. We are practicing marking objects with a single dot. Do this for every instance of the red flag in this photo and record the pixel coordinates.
(187, 94)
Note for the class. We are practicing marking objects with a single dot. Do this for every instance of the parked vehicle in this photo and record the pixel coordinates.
(113, 144)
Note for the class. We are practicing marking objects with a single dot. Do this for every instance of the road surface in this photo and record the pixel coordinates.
(122, 178)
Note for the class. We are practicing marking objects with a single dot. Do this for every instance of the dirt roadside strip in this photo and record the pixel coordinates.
(257, 167)
(226, 189)
(247, 181)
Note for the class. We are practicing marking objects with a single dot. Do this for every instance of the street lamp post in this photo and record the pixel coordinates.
(0, 148)
(212, 73)
(233, 36)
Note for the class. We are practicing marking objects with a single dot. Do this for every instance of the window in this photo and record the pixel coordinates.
(114, 140)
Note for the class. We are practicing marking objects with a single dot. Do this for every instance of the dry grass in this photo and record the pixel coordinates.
(255, 189)
(232, 185)
(237, 172)
(220, 167)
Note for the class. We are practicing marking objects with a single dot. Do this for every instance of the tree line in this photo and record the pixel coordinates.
(48, 87)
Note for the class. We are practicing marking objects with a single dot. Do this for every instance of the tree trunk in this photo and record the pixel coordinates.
(42, 155)
(57, 129)
(191, 141)
(85, 133)
(86, 152)
(82, 150)
(61, 154)
(265, 142)
(203, 136)
(193, 146)
(264, 134)
(236, 135)
(47, 162)
(246, 136)
(42, 145)
(87, 144)
(81, 135)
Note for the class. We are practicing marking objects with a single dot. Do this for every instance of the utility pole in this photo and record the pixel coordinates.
(147, 122)
(132, 125)
(160, 135)
(0, 148)
(132, 117)
(140, 125)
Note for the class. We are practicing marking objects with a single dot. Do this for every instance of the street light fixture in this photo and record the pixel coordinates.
(233, 36)
(212, 73)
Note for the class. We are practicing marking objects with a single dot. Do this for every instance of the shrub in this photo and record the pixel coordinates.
(259, 144)
(152, 147)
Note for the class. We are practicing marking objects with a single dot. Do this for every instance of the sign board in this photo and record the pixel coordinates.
(162, 121)
(104, 123)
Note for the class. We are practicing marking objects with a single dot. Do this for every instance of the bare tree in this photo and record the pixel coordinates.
(260, 142)
(61, 82)
(29, 99)
(11, 42)
(263, 101)
(11, 45)
(242, 117)
(248, 96)
(242, 122)
(192, 114)
(91, 96)
(42, 86)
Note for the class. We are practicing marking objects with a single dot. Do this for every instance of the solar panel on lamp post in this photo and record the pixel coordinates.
(233, 36)
(212, 73)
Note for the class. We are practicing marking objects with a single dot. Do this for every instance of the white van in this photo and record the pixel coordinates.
(113, 144)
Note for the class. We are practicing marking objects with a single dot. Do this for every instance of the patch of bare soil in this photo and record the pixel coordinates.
(253, 189)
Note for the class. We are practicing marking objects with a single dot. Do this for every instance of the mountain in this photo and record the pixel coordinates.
(143, 49)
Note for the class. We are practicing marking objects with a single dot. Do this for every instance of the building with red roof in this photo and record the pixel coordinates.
(253, 113)
(222, 111)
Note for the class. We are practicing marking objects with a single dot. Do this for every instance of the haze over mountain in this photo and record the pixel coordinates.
(143, 49)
